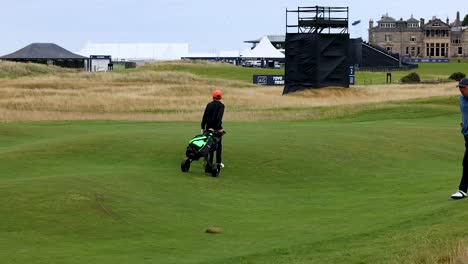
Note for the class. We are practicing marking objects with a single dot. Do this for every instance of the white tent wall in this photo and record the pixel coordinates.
(202, 55)
(137, 51)
(229, 53)
(244, 52)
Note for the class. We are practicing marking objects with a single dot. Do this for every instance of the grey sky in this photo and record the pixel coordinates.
(207, 25)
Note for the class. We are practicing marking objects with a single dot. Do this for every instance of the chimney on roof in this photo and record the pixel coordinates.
(421, 22)
(448, 20)
(371, 23)
(458, 17)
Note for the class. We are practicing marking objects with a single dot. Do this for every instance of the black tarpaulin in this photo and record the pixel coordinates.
(315, 61)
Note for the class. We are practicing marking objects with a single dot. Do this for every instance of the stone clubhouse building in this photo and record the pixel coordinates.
(419, 39)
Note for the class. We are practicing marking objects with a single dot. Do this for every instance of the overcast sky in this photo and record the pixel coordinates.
(206, 25)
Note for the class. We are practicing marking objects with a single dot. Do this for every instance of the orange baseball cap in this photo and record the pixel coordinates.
(217, 94)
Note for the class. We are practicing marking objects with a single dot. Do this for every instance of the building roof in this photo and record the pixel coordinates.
(272, 38)
(412, 20)
(42, 51)
(386, 18)
(401, 21)
(435, 20)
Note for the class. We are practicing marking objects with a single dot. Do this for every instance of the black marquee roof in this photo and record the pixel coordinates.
(42, 51)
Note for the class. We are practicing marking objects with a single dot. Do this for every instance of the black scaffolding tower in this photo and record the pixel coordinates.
(316, 48)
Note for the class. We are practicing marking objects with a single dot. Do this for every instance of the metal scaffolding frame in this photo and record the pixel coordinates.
(319, 20)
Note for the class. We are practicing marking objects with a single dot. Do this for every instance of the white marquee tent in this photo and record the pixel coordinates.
(264, 49)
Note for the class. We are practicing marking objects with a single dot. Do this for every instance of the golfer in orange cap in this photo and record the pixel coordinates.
(213, 120)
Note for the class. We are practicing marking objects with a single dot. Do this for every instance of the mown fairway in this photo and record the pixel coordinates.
(371, 187)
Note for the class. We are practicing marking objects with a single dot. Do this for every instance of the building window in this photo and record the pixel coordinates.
(388, 38)
(407, 50)
(389, 49)
(413, 39)
(456, 40)
(387, 25)
(430, 49)
(460, 51)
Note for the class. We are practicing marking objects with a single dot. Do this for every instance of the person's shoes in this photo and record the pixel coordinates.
(221, 165)
(458, 195)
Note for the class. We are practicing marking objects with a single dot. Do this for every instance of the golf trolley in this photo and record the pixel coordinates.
(200, 147)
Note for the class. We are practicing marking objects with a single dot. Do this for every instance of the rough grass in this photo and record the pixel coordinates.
(154, 93)
(434, 251)
(14, 70)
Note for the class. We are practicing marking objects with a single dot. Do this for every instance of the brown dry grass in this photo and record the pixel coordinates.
(437, 253)
(14, 70)
(163, 96)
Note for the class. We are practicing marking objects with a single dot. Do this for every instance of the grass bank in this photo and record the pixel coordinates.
(178, 91)
(15, 70)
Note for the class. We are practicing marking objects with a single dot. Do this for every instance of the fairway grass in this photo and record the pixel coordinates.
(368, 187)
(358, 175)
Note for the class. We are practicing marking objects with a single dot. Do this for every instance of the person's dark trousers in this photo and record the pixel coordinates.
(464, 181)
(218, 149)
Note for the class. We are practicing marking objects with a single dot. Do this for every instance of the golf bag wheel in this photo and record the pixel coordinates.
(185, 165)
(208, 168)
(215, 170)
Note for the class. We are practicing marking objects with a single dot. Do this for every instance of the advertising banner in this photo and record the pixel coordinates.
(268, 79)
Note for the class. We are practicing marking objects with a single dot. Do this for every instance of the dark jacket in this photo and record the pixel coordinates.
(213, 116)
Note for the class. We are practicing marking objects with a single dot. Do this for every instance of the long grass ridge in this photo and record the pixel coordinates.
(154, 92)
(15, 70)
